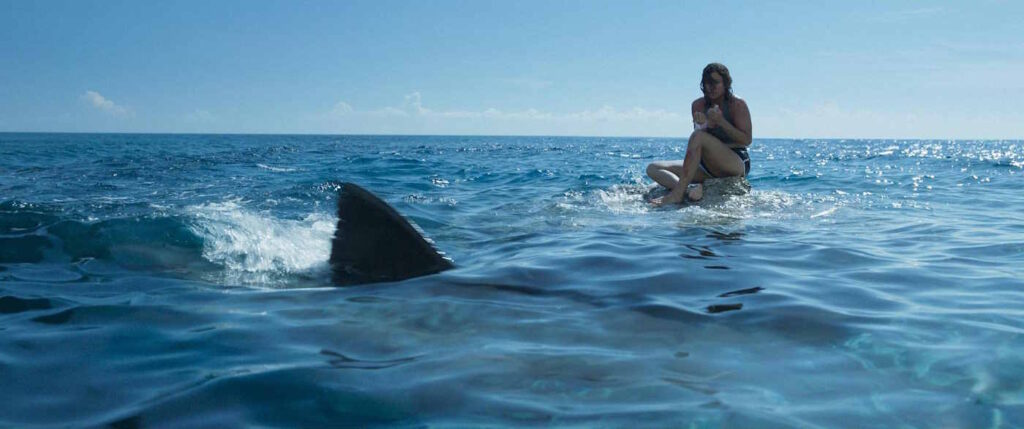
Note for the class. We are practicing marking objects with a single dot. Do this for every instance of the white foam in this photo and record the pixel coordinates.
(248, 241)
(826, 212)
(624, 199)
(724, 201)
(275, 169)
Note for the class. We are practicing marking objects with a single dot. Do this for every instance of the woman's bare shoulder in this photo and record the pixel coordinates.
(697, 105)
(738, 102)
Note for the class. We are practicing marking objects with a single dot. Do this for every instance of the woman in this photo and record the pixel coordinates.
(718, 145)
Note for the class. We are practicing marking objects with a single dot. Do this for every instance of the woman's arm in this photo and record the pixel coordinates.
(742, 133)
(697, 111)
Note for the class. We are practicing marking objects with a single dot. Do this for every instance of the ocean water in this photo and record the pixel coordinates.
(181, 281)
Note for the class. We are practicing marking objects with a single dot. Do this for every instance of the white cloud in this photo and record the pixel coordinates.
(413, 116)
(100, 102)
(525, 114)
(342, 108)
(389, 111)
(412, 106)
(827, 119)
(609, 113)
(835, 118)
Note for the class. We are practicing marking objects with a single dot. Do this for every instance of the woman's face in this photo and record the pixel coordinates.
(714, 87)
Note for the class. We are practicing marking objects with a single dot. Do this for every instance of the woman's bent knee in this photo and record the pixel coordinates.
(698, 138)
(653, 168)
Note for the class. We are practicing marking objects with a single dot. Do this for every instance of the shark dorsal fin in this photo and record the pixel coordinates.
(374, 243)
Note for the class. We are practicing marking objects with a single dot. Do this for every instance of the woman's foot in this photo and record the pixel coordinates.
(674, 197)
(695, 192)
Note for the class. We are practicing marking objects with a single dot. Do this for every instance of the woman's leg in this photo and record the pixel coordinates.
(666, 173)
(661, 172)
(721, 160)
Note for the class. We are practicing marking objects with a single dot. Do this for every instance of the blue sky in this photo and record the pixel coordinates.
(807, 69)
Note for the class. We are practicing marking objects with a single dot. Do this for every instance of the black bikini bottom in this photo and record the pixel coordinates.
(744, 156)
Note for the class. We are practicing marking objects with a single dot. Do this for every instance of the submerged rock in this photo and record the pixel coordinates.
(715, 188)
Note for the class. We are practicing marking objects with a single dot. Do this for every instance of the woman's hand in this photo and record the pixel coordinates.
(715, 117)
(699, 121)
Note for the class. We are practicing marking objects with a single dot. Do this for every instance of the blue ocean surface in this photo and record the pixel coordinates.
(182, 281)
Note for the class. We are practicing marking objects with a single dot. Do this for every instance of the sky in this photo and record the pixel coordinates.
(833, 69)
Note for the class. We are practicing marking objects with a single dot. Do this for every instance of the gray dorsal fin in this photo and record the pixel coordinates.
(374, 243)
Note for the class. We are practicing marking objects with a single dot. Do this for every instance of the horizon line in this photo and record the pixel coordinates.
(488, 135)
